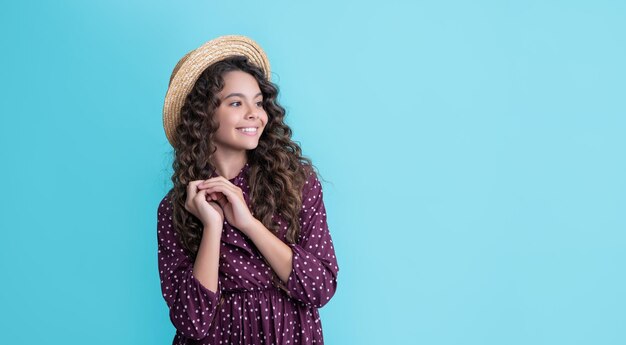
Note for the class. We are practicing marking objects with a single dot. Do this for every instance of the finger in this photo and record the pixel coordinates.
(217, 189)
(209, 196)
(194, 183)
(214, 182)
(191, 190)
(215, 196)
(216, 179)
(192, 187)
(200, 196)
(228, 195)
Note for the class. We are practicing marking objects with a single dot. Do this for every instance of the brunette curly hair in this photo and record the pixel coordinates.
(278, 170)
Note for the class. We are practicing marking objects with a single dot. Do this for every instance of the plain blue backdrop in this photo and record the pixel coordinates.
(473, 156)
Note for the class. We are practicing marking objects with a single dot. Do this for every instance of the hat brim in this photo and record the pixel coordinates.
(189, 68)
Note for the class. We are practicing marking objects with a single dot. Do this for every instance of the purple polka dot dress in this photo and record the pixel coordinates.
(247, 307)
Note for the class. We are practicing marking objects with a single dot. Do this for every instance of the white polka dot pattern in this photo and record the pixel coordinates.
(247, 308)
(313, 278)
(192, 306)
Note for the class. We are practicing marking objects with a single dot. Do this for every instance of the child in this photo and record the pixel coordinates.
(244, 251)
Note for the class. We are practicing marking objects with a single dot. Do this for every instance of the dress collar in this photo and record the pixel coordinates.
(240, 176)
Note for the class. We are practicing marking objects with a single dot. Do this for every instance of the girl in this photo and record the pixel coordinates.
(244, 251)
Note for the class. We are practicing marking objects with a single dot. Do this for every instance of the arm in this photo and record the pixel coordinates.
(313, 278)
(277, 252)
(192, 305)
(206, 266)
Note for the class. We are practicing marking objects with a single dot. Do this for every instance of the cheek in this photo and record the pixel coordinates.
(226, 123)
(224, 130)
(265, 118)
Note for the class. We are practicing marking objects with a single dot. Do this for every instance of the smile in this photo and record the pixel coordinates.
(250, 131)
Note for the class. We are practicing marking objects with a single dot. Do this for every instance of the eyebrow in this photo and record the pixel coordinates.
(241, 95)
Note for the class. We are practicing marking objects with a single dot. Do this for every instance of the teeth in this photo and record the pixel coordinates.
(250, 129)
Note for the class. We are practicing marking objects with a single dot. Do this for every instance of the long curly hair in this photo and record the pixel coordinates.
(278, 170)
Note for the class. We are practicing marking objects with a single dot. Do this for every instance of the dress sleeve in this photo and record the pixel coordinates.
(192, 306)
(313, 278)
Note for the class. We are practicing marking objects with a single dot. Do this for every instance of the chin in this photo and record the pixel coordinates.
(251, 146)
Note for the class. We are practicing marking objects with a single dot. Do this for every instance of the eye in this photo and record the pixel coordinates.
(237, 102)
(259, 103)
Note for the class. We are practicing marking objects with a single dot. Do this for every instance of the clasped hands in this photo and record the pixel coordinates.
(229, 197)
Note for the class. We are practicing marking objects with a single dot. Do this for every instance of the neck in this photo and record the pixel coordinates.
(229, 166)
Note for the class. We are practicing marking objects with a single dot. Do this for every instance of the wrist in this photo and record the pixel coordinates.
(253, 226)
(213, 229)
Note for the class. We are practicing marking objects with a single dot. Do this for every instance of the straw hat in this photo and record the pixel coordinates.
(190, 66)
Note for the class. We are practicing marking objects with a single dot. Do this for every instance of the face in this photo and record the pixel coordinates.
(241, 116)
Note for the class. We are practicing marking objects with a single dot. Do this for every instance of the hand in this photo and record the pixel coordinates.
(231, 200)
(209, 212)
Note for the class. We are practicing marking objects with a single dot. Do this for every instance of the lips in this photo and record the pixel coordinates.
(250, 131)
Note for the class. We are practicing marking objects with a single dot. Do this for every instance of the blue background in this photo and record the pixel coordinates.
(472, 155)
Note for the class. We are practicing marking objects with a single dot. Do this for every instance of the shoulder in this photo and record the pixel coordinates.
(311, 178)
(312, 181)
(165, 205)
(312, 187)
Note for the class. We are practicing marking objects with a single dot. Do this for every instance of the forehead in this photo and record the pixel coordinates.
(240, 81)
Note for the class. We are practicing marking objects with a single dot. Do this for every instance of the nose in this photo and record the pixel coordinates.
(253, 112)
